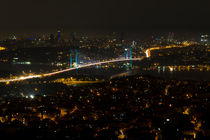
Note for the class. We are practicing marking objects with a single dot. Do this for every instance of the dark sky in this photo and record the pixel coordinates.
(104, 14)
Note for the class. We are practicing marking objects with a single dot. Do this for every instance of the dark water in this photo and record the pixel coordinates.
(110, 73)
(183, 75)
(106, 73)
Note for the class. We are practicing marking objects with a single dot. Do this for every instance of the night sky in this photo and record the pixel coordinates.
(104, 14)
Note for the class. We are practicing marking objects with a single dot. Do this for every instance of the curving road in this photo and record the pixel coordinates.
(147, 52)
(66, 70)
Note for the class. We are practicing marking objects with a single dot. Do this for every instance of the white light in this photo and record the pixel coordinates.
(31, 96)
(133, 43)
(21, 78)
(171, 69)
(167, 120)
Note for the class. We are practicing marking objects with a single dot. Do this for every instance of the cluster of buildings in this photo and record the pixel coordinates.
(130, 107)
(135, 107)
(55, 53)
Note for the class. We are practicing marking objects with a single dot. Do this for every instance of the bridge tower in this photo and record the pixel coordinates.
(131, 55)
(131, 52)
(131, 65)
(76, 58)
(71, 59)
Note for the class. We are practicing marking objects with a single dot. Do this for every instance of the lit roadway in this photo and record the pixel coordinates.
(147, 52)
(66, 70)
(183, 44)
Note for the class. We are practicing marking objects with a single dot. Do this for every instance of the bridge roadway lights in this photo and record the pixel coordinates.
(66, 70)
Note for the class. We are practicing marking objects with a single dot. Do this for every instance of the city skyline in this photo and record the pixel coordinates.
(105, 69)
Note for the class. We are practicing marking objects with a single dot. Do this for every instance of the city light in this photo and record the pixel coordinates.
(2, 48)
(108, 86)
(32, 96)
(105, 70)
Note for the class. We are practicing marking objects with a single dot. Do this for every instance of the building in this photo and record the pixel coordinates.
(204, 39)
(59, 35)
(52, 37)
(170, 37)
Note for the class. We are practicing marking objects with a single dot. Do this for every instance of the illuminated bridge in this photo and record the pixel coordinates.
(69, 69)
(147, 52)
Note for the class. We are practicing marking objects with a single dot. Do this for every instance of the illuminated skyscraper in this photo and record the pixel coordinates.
(126, 53)
(59, 35)
(121, 36)
(204, 39)
(170, 36)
